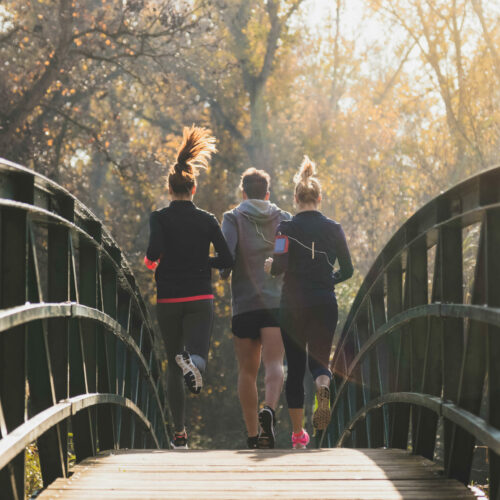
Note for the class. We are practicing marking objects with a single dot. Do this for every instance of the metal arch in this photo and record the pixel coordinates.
(113, 364)
(41, 182)
(16, 441)
(33, 209)
(388, 253)
(16, 316)
(478, 427)
(490, 316)
(398, 364)
(477, 213)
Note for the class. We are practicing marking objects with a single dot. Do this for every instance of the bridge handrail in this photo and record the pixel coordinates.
(78, 365)
(415, 352)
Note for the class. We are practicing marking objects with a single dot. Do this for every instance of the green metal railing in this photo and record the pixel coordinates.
(76, 343)
(421, 345)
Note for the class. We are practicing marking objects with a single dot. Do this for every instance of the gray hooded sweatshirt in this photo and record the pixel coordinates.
(249, 230)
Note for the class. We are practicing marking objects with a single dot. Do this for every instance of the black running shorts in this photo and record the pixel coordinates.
(247, 325)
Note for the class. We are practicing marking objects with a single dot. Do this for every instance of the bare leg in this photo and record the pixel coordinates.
(297, 418)
(272, 357)
(248, 355)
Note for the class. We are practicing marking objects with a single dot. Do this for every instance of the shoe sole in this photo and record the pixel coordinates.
(185, 447)
(321, 417)
(189, 369)
(266, 437)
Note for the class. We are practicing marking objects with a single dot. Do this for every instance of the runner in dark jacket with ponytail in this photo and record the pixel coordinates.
(178, 250)
(306, 249)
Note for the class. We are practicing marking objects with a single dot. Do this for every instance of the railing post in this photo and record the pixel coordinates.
(107, 358)
(378, 366)
(493, 296)
(83, 349)
(472, 372)
(123, 370)
(452, 333)
(425, 433)
(401, 411)
(40, 375)
(13, 264)
(394, 279)
(58, 328)
(362, 438)
(416, 271)
(13, 288)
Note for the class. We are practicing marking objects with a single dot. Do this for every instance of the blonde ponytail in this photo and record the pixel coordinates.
(307, 186)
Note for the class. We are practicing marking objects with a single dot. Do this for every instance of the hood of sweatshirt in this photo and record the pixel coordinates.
(259, 210)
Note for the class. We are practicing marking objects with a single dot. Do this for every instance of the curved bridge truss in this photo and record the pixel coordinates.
(418, 361)
(78, 369)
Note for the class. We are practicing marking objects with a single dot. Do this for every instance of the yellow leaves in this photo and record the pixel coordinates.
(50, 142)
(78, 42)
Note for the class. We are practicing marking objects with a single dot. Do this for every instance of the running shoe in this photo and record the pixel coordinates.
(267, 428)
(321, 417)
(192, 376)
(300, 440)
(252, 442)
(180, 441)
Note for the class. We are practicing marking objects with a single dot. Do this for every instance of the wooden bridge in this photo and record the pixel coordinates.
(415, 394)
(339, 473)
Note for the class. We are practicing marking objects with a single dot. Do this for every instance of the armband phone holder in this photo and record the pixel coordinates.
(281, 244)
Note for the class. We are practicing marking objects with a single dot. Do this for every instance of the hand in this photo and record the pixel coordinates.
(267, 265)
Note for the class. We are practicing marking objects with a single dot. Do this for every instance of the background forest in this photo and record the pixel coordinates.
(395, 100)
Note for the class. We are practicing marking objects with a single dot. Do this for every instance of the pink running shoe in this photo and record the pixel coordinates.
(300, 440)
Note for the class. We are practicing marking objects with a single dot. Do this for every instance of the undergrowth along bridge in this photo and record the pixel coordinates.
(416, 360)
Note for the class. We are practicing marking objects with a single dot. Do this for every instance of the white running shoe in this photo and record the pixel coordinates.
(192, 376)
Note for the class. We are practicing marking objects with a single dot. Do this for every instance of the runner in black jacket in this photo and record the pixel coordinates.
(306, 249)
(178, 250)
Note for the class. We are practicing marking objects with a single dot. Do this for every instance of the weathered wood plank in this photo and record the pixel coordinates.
(334, 474)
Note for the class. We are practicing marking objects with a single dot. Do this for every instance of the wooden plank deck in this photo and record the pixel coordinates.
(339, 473)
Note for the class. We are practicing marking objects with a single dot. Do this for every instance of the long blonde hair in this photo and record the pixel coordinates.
(307, 186)
(194, 153)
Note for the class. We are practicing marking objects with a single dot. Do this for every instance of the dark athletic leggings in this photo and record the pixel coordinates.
(307, 336)
(184, 326)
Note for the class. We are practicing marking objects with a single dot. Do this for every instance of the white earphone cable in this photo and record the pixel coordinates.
(311, 249)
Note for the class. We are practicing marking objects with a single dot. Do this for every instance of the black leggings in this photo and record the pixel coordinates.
(184, 326)
(307, 336)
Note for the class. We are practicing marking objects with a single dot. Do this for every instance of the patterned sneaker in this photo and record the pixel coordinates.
(180, 441)
(267, 428)
(192, 376)
(252, 442)
(300, 440)
(321, 417)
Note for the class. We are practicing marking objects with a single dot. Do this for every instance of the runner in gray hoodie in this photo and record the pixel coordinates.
(249, 230)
